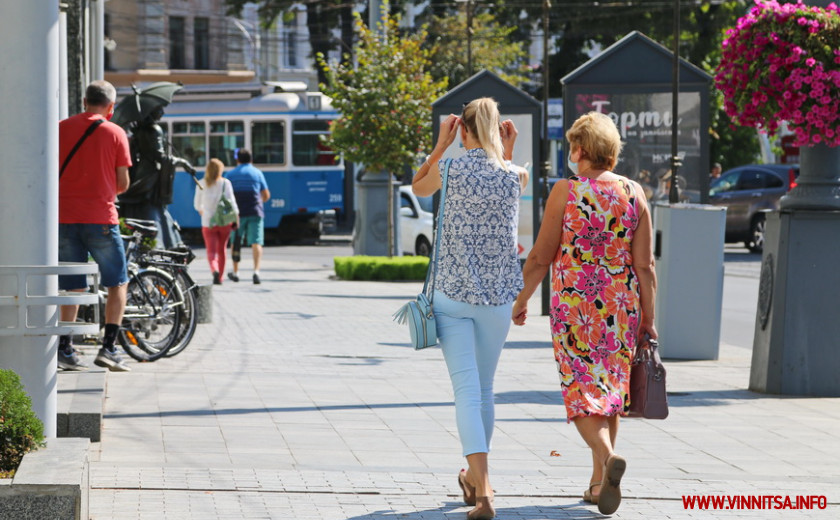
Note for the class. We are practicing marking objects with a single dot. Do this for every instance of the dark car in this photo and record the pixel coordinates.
(748, 192)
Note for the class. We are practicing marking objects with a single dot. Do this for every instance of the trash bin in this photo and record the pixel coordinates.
(688, 248)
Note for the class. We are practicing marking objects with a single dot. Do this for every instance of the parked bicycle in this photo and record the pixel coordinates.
(175, 263)
(180, 299)
(152, 315)
(161, 302)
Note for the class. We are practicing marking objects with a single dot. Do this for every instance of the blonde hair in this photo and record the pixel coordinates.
(598, 138)
(214, 170)
(481, 117)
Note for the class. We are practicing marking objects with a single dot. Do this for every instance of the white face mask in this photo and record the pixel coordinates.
(573, 166)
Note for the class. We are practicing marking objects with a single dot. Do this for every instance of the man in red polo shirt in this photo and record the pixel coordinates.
(93, 171)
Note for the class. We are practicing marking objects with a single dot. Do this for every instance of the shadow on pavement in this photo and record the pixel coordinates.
(246, 411)
(365, 297)
(529, 344)
(719, 397)
(566, 512)
(746, 256)
(550, 397)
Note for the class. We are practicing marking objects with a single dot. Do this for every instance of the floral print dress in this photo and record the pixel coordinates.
(595, 297)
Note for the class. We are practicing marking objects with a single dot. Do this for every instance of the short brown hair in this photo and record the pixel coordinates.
(598, 138)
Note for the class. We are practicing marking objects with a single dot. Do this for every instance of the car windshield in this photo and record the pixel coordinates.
(426, 203)
(724, 183)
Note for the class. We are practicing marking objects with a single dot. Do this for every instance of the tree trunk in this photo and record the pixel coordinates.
(390, 217)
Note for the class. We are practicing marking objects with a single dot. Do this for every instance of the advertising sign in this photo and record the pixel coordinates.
(644, 122)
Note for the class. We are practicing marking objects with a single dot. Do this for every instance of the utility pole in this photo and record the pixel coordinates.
(469, 38)
(468, 8)
(545, 165)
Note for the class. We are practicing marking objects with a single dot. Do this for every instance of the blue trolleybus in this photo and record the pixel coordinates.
(282, 130)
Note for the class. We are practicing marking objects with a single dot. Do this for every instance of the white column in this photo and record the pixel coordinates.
(29, 183)
(63, 94)
(97, 39)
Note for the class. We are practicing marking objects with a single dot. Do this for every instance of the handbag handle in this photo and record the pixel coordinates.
(646, 348)
(432, 270)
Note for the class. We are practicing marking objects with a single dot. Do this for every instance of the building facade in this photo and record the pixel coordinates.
(195, 42)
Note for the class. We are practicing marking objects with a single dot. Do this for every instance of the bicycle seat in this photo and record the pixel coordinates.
(146, 228)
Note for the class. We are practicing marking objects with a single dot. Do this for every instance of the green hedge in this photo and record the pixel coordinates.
(381, 267)
(20, 429)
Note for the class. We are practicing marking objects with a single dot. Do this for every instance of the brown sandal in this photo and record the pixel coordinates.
(610, 497)
(469, 491)
(484, 509)
(588, 496)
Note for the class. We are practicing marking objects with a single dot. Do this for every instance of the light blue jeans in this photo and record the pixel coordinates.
(472, 338)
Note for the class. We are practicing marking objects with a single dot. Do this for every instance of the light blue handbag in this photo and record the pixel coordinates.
(420, 313)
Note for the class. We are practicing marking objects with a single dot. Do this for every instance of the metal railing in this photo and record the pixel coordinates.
(23, 301)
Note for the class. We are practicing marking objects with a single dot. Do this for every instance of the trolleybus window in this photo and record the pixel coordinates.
(189, 141)
(307, 148)
(225, 137)
(268, 141)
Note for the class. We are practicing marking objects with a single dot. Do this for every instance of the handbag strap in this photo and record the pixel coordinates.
(222, 192)
(93, 126)
(433, 263)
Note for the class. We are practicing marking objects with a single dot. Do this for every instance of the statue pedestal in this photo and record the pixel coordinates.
(796, 347)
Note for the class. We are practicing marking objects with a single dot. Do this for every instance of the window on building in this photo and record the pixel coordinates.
(189, 141)
(268, 142)
(225, 138)
(201, 43)
(176, 43)
(307, 148)
(291, 46)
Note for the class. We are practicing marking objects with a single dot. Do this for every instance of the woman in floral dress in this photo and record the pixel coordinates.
(596, 234)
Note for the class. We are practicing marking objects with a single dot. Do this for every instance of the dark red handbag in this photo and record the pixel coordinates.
(648, 398)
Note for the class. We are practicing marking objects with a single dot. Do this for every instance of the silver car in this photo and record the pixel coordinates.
(748, 192)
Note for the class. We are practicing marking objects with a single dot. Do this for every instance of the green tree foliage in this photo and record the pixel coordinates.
(20, 429)
(578, 29)
(492, 48)
(702, 30)
(385, 102)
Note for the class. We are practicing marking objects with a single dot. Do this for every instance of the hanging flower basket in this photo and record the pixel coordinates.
(782, 63)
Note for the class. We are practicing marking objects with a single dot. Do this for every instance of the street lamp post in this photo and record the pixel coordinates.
(253, 42)
(673, 192)
(545, 164)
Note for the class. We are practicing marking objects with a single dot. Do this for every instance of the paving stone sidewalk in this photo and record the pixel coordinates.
(302, 400)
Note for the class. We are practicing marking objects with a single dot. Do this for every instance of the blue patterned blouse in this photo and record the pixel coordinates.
(478, 260)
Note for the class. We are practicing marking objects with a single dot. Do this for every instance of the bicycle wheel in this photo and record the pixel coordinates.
(152, 316)
(189, 314)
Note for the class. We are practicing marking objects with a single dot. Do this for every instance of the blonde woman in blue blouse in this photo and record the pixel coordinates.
(478, 275)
